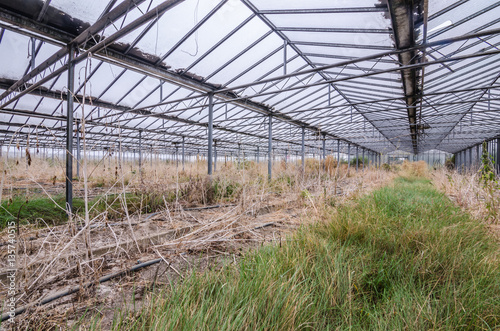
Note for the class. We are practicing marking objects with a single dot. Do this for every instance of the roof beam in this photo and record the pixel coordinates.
(403, 15)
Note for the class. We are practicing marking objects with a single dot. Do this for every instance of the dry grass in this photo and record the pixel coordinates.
(114, 236)
(466, 190)
(415, 169)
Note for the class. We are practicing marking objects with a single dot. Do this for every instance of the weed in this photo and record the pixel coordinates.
(403, 257)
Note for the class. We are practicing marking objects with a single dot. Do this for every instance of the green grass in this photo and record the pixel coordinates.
(403, 257)
(33, 209)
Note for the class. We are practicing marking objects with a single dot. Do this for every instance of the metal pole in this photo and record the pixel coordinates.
(183, 154)
(258, 154)
(140, 150)
(478, 159)
(363, 159)
(239, 153)
(269, 148)
(210, 130)
(348, 155)
(470, 158)
(120, 155)
(215, 156)
(69, 131)
(176, 156)
(498, 156)
(357, 158)
(324, 152)
(338, 152)
(303, 151)
(78, 149)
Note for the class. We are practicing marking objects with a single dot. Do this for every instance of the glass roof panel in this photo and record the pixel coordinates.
(343, 38)
(87, 11)
(300, 4)
(341, 20)
(13, 50)
(213, 30)
(171, 27)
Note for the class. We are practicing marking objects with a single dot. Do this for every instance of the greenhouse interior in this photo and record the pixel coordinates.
(216, 164)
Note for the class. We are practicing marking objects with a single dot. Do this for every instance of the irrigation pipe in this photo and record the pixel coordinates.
(76, 288)
(208, 207)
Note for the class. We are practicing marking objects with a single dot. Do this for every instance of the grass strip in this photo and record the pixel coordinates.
(403, 257)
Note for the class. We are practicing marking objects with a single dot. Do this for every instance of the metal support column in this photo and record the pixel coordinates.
(210, 130)
(303, 150)
(478, 158)
(324, 151)
(363, 159)
(239, 153)
(348, 155)
(183, 154)
(140, 151)
(338, 152)
(176, 156)
(470, 159)
(498, 157)
(357, 158)
(258, 154)
(78, 149)
(269, 148)
(69, 131)
(215, 156)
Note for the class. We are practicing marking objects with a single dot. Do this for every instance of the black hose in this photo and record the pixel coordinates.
(76, 288)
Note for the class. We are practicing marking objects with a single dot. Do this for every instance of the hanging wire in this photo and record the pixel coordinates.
(196, 32)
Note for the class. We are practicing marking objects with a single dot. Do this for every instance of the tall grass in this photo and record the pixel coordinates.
(403, 257)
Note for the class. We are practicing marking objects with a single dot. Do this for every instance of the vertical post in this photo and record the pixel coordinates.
(176, 156)
(120, 155)
(470, 158)
(69, 131)
(357, 158)
(239, 153)
(140, 151)
(348, 155)
(269, 148)
(286, 157)
(324, 151)
(78, 149)
(363, 159)
(338, 152)
(215, 156)
(210, 130)
(478, 160)
(498, 156)
(258, 154)
(303, 150)
(183, 154)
